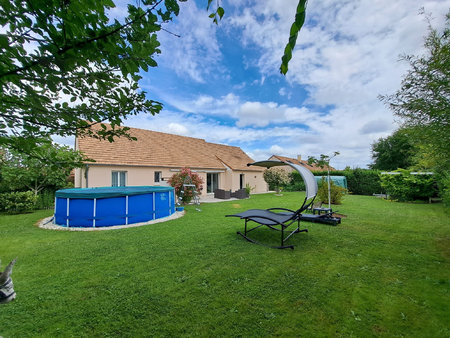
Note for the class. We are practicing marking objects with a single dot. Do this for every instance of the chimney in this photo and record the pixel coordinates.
(299, 158)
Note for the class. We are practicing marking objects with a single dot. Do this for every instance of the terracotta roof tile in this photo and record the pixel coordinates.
(164, 150)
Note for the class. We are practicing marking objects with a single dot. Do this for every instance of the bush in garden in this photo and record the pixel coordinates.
(46, 200)
(363, 181)
(445, 189)
(248, 189)
(186, 176)
(17, 202)
(276, 178)
(336, 192)
(403, 186)
(295, 182)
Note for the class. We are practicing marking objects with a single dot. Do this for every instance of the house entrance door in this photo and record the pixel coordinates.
(212, 182)
(241, 181)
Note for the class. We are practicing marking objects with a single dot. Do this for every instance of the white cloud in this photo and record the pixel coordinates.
(240, 86)
(256, 113)
(375, 126)
(276, 149)
(346, 55)
(246, 113)
(177, 128)
(285, 92)
(261, 114)
(195, 54)
(281, 129)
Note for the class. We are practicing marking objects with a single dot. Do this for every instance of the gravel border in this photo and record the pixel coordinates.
(47, 223)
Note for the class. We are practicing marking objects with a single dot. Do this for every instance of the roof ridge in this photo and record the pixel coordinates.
(177, 135)
(222, 144)
(155, 131)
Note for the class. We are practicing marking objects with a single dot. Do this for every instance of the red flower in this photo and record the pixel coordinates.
(186, 176)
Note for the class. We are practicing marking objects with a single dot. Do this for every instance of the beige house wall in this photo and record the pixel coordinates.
(227, 179)
(101, 176)
(253, 178)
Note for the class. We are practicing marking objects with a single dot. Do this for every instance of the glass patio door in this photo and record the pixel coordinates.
(212, 182)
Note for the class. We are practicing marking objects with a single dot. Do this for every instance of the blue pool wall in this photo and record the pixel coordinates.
(92, 207)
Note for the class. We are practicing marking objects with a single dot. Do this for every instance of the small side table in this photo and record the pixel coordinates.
(320, 210)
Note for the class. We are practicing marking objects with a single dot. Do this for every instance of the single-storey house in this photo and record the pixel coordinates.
(298, 161)
(156, 156)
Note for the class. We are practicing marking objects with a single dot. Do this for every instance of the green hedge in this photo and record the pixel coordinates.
(401, 185)
(444, 188)
(295, 182)
(17, 202)
(359, 181)
(45, 200)
(363, 181)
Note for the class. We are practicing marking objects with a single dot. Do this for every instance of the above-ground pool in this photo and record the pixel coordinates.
(109, 206)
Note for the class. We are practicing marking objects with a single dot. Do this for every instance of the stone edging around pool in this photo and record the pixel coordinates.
(46, 223)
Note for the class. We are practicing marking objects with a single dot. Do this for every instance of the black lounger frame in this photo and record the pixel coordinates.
(275, 221)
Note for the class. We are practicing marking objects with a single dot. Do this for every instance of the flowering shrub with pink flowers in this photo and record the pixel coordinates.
(186, 176)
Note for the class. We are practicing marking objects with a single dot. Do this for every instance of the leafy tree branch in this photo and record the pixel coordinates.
(65, 66)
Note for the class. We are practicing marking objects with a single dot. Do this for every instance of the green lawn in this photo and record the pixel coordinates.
(383, 272)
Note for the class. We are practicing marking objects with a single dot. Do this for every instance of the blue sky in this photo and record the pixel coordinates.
(222, 82)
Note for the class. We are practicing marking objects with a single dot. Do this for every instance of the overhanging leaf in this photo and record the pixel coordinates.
(295, 28)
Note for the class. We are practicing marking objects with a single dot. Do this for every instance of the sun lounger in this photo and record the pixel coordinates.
(280, 218)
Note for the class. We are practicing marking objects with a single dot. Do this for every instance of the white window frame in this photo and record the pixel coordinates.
(213, 181)
(121, 178)
(159, 176)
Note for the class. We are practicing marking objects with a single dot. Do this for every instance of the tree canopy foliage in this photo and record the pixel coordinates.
(276, 177)
(393, 152)
(48, 166)
(423, 101)
(323, 161)
(64, 63)
(423, 104)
